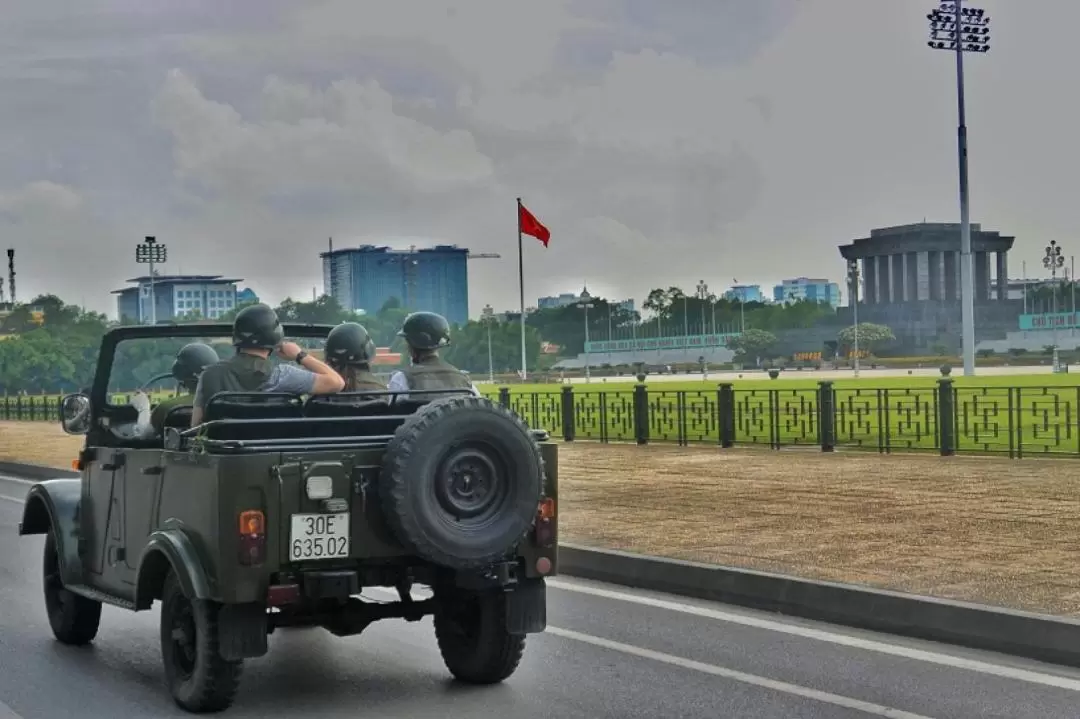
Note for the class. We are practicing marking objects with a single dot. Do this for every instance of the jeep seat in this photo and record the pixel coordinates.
(251, 406)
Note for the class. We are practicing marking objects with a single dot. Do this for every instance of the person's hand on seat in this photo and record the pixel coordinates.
(141, 402)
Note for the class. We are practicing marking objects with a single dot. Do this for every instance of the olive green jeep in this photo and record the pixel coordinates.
(280, 511)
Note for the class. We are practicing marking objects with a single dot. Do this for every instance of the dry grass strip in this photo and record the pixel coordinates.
(983, 529)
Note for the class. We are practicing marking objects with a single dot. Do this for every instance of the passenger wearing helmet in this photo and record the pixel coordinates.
(426, 333)
(349, 351)
(190, 362)
(257, 333)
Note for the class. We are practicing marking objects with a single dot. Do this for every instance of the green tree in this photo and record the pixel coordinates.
(752, 344)
(872, 337)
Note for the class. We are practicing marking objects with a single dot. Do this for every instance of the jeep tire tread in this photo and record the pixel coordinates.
(199, 679)
(470, 628)
(461, 482)
(74, 619)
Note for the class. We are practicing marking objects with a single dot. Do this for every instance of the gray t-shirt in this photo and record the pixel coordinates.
(288, 378)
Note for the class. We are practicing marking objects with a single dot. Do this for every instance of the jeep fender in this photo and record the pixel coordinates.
(54, 505)
(169, 549)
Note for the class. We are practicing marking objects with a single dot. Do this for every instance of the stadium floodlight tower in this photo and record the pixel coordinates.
(149, 252)
(960, 29)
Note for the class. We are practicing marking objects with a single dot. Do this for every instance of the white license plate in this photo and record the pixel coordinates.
(319, 536)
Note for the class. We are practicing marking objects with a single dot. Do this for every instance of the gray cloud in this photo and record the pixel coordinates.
(661, 142)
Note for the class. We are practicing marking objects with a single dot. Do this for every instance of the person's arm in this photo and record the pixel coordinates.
(197, 405)
(141, 402)
(326, 381)
(398, 383)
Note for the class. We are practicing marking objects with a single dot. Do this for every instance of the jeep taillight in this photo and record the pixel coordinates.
(252, 537)
(544, 533)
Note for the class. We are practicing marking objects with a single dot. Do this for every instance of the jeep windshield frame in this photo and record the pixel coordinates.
(99, 394)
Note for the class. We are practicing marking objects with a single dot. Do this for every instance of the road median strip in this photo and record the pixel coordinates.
(1025, 634)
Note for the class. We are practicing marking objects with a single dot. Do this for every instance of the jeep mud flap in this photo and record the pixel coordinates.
(242, 630)
(526, 607)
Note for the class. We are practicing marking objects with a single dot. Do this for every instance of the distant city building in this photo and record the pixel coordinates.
(805, 288)
(1015, 288)
(745, 293)
(909, 280)
(177, 296)
(921, 263)
(434, 279)
(246, 296)
(553, 301)
(569, 298)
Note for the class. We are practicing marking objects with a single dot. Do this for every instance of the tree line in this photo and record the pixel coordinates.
(49, 346)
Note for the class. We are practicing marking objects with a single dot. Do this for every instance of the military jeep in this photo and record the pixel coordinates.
(280, 511)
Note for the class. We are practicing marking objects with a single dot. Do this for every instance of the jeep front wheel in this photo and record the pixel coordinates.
(199, 679)
(74, 619)
(470, 628)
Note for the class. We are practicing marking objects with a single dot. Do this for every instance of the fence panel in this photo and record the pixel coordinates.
(903, 419)
(776, 417)
(604, 416)
(539, 410)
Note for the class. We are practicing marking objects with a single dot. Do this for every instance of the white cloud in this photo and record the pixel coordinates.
(38, 199)
(662, 143)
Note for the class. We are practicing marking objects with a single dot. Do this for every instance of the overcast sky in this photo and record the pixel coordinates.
(661, 141)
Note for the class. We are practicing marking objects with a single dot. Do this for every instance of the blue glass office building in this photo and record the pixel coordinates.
(434, 279)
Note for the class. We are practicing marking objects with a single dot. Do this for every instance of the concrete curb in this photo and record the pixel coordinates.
(35, 471)
(1035, 636)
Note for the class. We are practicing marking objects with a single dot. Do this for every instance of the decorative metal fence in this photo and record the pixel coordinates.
(1014, 421)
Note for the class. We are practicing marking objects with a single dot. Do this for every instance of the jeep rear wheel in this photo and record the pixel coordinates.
(74, 619)
(470, 628)
(199, 679)
(461, 482)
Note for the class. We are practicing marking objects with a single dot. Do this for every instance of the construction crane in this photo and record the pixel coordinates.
(483, 256)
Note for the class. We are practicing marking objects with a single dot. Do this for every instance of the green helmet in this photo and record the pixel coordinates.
(349, 344)
(426, 331)
(191, 360)
(257, 327)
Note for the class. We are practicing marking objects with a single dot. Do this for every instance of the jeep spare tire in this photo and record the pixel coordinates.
(461, 482)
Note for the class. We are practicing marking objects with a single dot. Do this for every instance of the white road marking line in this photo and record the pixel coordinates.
(948, 660)
(676, 661)
(7, 712)
(773, 684)
(16, 480)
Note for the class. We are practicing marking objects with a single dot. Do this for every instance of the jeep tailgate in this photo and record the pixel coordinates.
(330, 512)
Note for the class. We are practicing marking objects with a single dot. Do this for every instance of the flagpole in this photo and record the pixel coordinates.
(521, 289)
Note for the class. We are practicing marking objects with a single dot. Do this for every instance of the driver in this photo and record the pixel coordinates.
(425, 333)
(256, 333)
(349, 351)
(190, 362)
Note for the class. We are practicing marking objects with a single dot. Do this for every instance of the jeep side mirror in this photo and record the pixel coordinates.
(75, 414)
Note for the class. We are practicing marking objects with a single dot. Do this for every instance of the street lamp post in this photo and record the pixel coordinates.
(853, 285)
(489, 319)
(1053, 261)
(703, 295)
(962, 29)
(149, 252)
(587, 306)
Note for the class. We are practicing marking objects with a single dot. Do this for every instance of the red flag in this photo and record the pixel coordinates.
(529, 225)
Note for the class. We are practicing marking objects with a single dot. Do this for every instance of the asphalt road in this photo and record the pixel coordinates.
(608, 652)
